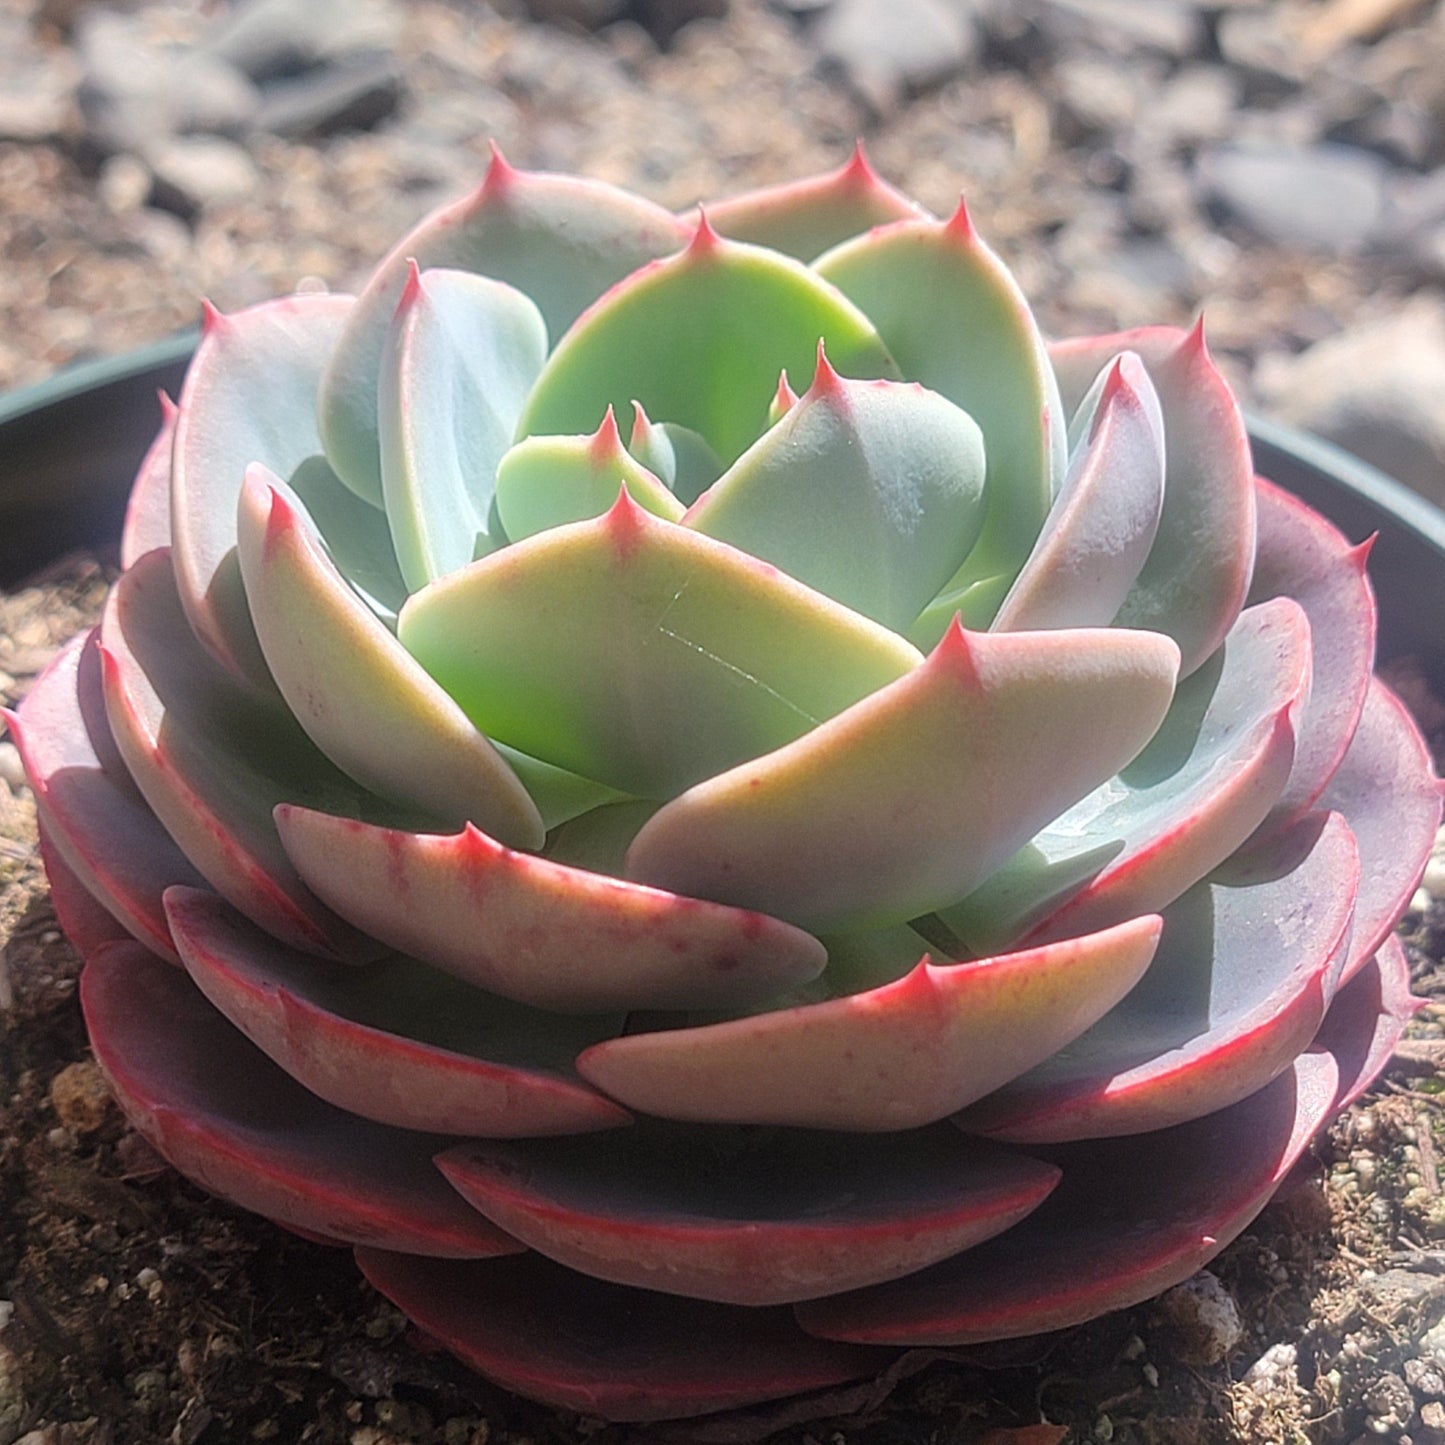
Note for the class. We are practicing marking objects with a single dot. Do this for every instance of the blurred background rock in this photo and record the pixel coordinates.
(1280, 163)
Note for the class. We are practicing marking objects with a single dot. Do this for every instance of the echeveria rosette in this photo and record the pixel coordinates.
(910, 862)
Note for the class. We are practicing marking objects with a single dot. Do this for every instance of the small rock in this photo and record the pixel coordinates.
(1205, 1317)
(887, 49)
(12, 770)
(1121, 27)
(1275, 1374)
(194, 172)
(354, 95)
(589, 14)
(1426, 1377)
(1323, 197)
(1432, 1417)
(1374, 390)
(1390, 1404)
(270, 39)
(1260, 46)
(1095, 98)
(80, 1098)
(1197, 103)
(664, 18)
(32, 110)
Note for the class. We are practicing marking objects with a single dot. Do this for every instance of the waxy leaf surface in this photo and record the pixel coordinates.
(539, 931)
(919, 792)
(394, 1041)
(640, 654)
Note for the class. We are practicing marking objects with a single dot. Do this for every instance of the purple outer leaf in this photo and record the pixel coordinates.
(84, 920)
(396, 1041)
(895, 1057)
(559, 239)
(192, 739)
(1367, 1018)
(803, 218)
(249, 397)
(1300, 555)
(1100, 529)
(541, 932)
(98, 824)
(148, 511)
(1237, 989)
(624, 1354)
(1131, 1217)
(233, 1122)
(1387, 790)
(1197, 575)
(746, 1218)
(912, 796)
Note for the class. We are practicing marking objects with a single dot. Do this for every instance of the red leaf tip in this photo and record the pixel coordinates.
(858, 170)
(412, 292)
(955, 653)
(606, 443)
(826, 381)
(169, 409)
(641, 423)
(705, 241)
(212, 317)
(960, 224)
(625, 522)
(785, 398)
(500, 172)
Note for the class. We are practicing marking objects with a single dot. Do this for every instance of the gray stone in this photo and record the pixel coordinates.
(1205, 1317)
(1258, 45)
(352, 95)
(589, 14)
(1095, 97)
(1324, 197)
(664, 18)
(1197, 103)
(193, 172)
(1374, 390)
(271, 38)
(887, 49)
(31, 113)
(1121, 27)
(132, 93)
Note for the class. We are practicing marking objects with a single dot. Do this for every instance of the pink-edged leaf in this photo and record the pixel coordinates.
(917, 793)
(1387, 790)
(148, 511)
(250, 396)
(956, 321)
(748, 1218)
(1131, 1217)
(605, 1350)
(1237, 989)
(560, 240)
(1102, 524)
(353, 687)
(233, 1122)
(895, 1057)
(1190, 799)
(395, 1041)
(1367, 1018)
(212, 760)
(803, 218)
(1300, 555)
(538, 931)
(1197, 575)
(84, 920)
(98, 824)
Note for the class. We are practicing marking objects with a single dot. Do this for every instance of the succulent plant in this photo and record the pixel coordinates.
(908, 862)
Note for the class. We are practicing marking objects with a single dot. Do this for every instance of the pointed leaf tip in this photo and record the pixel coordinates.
(705, 241)
(212, 317)
(960, 224)
(606, 444)
(826, 381)
(500, 171)
(412, 291)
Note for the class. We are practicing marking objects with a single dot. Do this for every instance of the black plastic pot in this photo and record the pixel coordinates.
(70, 446)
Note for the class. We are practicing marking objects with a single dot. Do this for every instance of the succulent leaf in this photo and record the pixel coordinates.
(539, 931)
(955, 321)
(900, 1056)
(461, 357)
(869, 491)
(1131, 1217)
(1097, 536)
(749, 1218)
(675, 453)
(699, 339)
(148, 512)
(641, 654)
(249, 397)
(561, 240)
(1238, 988)
(222, 1113)
(546, 482)
(396, 1041)
(1198, 572)
(806, 217)
(916, 794)
(354, 688)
